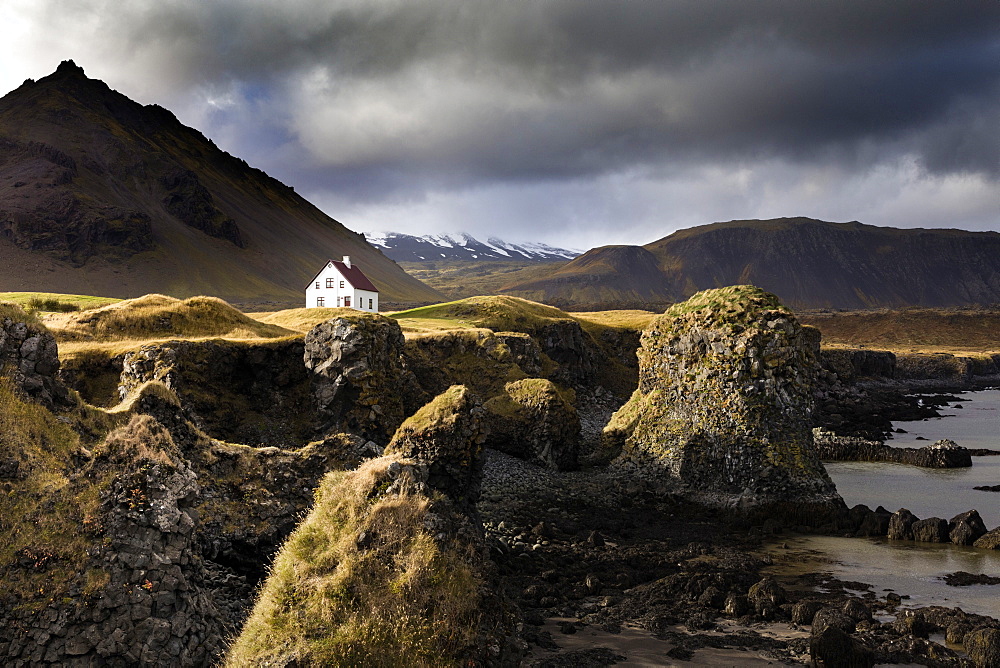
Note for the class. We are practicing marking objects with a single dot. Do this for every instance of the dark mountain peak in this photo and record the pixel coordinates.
(92, 179)
(70, 68)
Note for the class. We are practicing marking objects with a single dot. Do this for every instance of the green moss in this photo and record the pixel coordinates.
(440, 410)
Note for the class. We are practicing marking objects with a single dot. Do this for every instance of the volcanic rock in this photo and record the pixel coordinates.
(533, 420)
(30, 357)
(723, 406)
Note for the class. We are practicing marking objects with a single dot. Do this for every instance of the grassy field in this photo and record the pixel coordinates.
(959, 332)
(54, 302)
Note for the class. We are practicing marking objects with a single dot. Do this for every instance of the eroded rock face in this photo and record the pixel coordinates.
(360, 384)
(153, 600)
(447, 437)
(533, 420)
(252, 394)
(29, 355)
(724, 402)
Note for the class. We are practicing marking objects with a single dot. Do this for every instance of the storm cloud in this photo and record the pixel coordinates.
(569, 122)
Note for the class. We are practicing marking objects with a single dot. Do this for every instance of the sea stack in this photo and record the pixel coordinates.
(722, 411)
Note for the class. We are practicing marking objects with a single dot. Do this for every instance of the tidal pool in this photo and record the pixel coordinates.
(933, 492)
(907, 568)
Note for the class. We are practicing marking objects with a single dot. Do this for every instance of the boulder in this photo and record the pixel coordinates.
(447, 437)
(966, 528)
(830, 617)
(900, 525)
(874, 523)
(803, 612)
(930, 530)
(534, 420)
(834, 647)
(29, 356)
(723, 407)
(989, 541)
(359, 382)
(983, 647)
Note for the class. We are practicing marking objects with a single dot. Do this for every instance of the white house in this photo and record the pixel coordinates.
(342, 284)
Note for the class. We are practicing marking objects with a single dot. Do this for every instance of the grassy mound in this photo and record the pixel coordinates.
(362, 582)
(159, 316)
(301, 319)
(499, 313)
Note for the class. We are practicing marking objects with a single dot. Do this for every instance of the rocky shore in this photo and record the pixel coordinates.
(943, 454)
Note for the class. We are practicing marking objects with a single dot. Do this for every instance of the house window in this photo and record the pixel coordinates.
(341, 285)
(370, 305)
(347, 301)
(317, 284)
(320, 302)
(338, 302)
(329, 283)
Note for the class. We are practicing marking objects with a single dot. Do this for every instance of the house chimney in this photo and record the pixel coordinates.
(347, 261)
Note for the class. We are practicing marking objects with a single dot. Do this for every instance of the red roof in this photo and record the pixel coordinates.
(353, 274)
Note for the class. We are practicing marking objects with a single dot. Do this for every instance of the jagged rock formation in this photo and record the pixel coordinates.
(447, 437)
(389, 568)
(533, 420)
(943, 454)
(29, 356)
(254, 394)
(724, 402)
(359, 382)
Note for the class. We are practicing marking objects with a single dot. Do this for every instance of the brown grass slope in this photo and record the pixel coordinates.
(99, 194)
(807, 263)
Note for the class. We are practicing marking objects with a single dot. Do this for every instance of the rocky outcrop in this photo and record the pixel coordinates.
(534, 420)
(943, 454)
(853, 364)
(390, 567)
(359, 382)
(447, 436)
(150, 598)
(966, 528)
(29, 356)
(254, 394)
(723, 405)
(479, 359)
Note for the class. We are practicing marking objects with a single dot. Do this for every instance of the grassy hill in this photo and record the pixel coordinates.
(807, 263)
(99, 194)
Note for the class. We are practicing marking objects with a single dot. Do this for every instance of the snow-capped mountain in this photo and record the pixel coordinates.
(408, 248)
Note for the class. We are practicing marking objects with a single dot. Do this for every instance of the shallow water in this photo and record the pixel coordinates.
(933, 492)
(904, 566)
(914, 569)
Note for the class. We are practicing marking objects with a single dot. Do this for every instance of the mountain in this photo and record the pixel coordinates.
(808, 263)
(102, 195)
(431, 247)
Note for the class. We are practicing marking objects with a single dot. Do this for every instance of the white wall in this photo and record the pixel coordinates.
(340, 288)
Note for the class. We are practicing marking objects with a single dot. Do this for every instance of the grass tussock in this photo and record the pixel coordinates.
(361, 582)
(16, 312)
(159, 316)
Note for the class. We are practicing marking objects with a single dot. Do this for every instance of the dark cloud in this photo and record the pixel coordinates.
(380, 103)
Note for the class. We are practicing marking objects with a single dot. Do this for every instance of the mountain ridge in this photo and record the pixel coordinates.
(808, 263)
(103, 195)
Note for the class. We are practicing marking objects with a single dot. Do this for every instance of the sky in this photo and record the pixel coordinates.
(576, 123)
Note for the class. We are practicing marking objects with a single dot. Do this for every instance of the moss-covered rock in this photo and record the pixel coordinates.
(359, 381)
(447, 437)
(389, 568)
(534, 420)
(723, 405)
